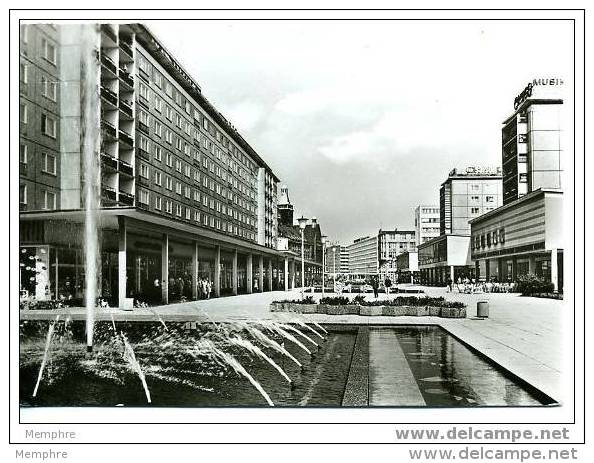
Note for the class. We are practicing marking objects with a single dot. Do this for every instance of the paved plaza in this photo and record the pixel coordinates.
(522, 334)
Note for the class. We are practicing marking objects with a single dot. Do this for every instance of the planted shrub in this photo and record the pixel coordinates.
(531, 284)
(359, 299)
(413, 301)
(305, 300)
(337, 300)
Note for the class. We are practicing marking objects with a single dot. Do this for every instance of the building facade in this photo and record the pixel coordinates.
(524, 236)
(466, 194)
(531, 140)
(447, 256)
(391, 244)
(363, 257)
(408, 267)
(426, 222)
(183, 196)
(337, 260)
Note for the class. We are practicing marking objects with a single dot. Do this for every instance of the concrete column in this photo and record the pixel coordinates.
(261, 273)
(487, 270)
(195, 270)
(500, 270)
(217, 272)
(554, 270)
(270, 274)
(514, 275)
(293, 274)
(165, 269)
(286, 275)
(249, 274)
(452, 274)
(137, 276)
(532, 265)
(122, 245)
(234, 271)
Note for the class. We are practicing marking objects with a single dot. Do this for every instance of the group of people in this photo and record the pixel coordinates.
(180, 288)
(472, 286)
(375, 286)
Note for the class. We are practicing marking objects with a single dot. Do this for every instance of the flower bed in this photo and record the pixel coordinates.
(400, 306)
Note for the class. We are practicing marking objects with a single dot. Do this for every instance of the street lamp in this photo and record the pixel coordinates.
(302, 223)
(323, 262)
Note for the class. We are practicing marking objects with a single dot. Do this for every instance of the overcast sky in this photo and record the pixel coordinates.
(363, 120)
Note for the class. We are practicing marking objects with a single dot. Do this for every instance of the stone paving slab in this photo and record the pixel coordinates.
(356, 391)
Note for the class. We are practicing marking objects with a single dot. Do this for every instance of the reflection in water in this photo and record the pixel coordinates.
(450, 374)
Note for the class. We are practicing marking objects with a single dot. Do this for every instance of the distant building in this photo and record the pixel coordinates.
(289, 243)
(408, 267)
(426, 222)
(466, 194)
(337, 260)
(391, 244)
(363, 257)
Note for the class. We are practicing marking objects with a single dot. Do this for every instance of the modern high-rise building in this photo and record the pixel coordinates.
(466, 194)
(363, 257)
(337, 260)
(531, 141)
(183, 195)
(391, 244)
(426, 222)
(525, 235)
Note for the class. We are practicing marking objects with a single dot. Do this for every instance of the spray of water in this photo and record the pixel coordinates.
(250, 347)
(275, 328)
(306, 326)
(268, 342)
(48, 342)
(287, 327)
(206, 346)
(90, 126)
(130, 357)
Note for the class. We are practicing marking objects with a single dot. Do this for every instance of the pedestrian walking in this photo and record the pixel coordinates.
(375, 286)
(387, 285)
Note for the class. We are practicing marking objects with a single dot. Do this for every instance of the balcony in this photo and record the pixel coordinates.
(126, 198)
(110, 32)
(108, 193)
(108, 64)
(126, 168)
(110, 97)
(108, 131)
(109, 162)
(126, 139)
(126, 109)
(127, 49)
(127, 79)
(143, 127)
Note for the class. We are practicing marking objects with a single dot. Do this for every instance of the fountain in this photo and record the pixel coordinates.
(90, 142)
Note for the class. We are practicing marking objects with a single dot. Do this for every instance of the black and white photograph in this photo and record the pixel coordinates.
(297, 216)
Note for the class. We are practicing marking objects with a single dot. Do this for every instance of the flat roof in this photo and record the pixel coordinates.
(148, 40)
(523, 199)
(530, 102)
(440, 238)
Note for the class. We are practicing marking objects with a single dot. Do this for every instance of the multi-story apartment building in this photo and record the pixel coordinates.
(466, 194)
(391, 244)
(531, 141)
(183, 195)
(40, 134)
(426, 222)
(363, 257)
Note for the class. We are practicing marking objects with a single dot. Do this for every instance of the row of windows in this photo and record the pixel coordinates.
(171, 207)
(49, 87)
(488, 239)
(186, 107)
(48, 161)
(48, 123)
(429, 210)
(49, 198)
